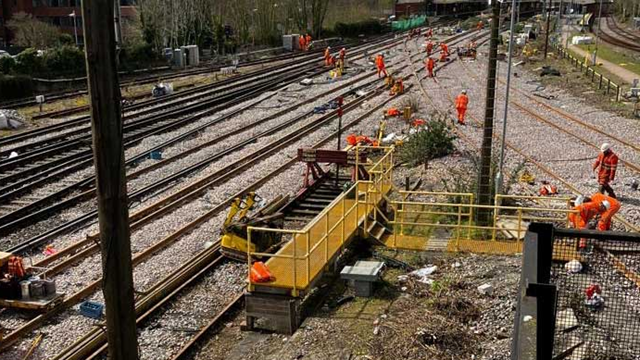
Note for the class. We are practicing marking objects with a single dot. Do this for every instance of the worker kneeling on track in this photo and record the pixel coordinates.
(588, 209)
(397, 88)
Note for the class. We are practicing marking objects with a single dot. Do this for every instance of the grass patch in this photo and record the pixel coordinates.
(630, 61)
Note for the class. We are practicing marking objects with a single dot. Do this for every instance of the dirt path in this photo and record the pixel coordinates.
(624, 74)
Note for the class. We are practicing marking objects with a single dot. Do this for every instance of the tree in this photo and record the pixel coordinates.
(31, 32)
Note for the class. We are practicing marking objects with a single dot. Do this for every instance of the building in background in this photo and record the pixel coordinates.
(54, 12)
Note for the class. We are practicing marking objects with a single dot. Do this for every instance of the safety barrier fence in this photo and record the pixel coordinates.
(578, 295)
(455, 214)
(605, 84)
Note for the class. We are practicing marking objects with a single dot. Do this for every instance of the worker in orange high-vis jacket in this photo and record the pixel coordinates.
(342, 54)
(598, 205)
(462, 101)
(327, 56)
(430, 65)
(445, 48)
(480, 25)
(429, 48)
(302, 42)
(380, 65)
(606, 166)
(307, 40)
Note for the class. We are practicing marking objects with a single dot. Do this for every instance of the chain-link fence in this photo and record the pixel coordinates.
(580, 296)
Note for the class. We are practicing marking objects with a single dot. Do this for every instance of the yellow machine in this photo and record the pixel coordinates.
(234, 231)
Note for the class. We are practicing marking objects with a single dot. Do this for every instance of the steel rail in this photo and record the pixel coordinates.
(31, 212)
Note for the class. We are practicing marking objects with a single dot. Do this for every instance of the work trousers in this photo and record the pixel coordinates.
(606, 187)
(461, 112)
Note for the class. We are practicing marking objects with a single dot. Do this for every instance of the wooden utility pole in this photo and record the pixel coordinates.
(108, 156)
(484, 183)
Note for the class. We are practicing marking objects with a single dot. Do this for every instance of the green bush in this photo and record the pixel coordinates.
(29, 62)
(15, 87)
(366, 27)
(7, 63)
(137, 56)
(66, 39)
(433, 142)
(64, 60)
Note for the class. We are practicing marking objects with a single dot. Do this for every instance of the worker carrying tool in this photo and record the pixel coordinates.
(327, 56)
(430, 64)
(462, 101)
(380, 65)
(606, 165)
(590, 208)
(429, 48)
(302, 42)
(397, 88)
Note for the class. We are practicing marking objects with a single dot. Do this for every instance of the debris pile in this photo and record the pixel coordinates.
(10, 120)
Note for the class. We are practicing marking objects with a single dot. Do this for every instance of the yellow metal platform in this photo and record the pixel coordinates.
(320, 253)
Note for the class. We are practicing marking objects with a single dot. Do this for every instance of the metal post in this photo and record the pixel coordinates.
(595, 52)
(340, 112)
(75, 26)
(506, 99)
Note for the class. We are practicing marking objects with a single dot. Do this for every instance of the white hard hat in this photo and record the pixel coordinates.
(344, 49)
(579, 200)
(464, 91)
(605, 147)
(606, 204)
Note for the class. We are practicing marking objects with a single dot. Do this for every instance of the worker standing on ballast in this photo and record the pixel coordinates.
(430, 64)
(462, 101)
(445, 48)
(327, 56)
(480, 25)
(302, 43)
(606, 165)
(307, 40)
(381, 66)
(342, 54)
(429, 48)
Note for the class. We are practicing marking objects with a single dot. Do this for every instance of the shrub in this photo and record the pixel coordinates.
(29, 62)
(137, 55)
(14, 87)
(66, 39)
(65, 60)
(433, 142)
(7, 63)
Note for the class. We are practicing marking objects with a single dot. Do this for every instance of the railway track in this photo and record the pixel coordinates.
(544, 121)
(21, 214)
(181, 232)
(145, 79)
(620, 37)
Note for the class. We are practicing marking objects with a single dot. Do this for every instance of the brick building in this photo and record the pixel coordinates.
(55, 12)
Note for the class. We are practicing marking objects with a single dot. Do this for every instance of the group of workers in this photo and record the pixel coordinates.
(598, 205)
(304, 41)
(333, 60)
